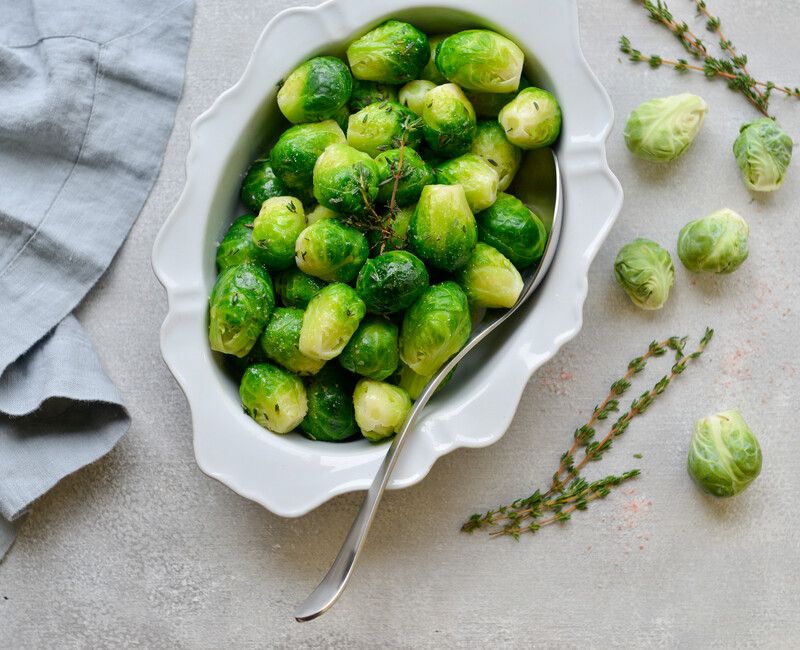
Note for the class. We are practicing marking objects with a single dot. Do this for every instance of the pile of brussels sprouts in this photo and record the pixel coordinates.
(379, 228)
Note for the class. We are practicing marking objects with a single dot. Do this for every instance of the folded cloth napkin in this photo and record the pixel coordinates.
(88, 92)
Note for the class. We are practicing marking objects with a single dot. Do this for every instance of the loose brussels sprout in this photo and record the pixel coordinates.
(331, 251)
(714, 244)
(316, 90)
(491, 144)
(380, 408)
(478, 59)
(510, 227)
(276, 228)
(391, 282)
(379, 127)
(725, 456)
(532, 119)
(260, 184)
(763, 152)
(273, 397)
(372, 350)
(414, 174)
(644, 269)
(489, 105)
(344, 178)
(397, 236)
(392, 53)
(295, 288)
(331, 318)
(449, 122)
(442, 230)
(414, 384)
(295, 153)
(413, 94)
(478, 178)
(434, 328)
(240, 305)
(430, 72)
(280, 342)
(331, 416)
(320, 212)
(237, 246)
(661, 129)
(489, 279)
(368, 92)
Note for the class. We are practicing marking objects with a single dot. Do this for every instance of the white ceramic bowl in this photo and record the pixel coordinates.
(291, 475)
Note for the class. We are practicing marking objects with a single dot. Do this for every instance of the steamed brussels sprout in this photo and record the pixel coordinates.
(478, 178)
(331, 251)
(320, 212)
(331, 416)
(715, 244)
(237, 246)
(295, 288)
(435, 328)
(381, 408)
(275, 230)
(430, 72)
(724, 457)
(273, 397)
(661, 129)
(413, 94)
(449, 122)
(478, 59)
(442, 231)
(489, 105)
(345, 179)
(295, 153)
(763, 152)
(414, 384)
(397, 232)
(532, 119)
(331, 318)
(391, 282)
(645, 270)
(379, 127)
(316, 90)
(260, 184)
(489, 279)
(414, 174)
(492, 145)
(239, 307)
(280, 342)
(372, 350)
(392, 53)
(510, 227)
(368, 92)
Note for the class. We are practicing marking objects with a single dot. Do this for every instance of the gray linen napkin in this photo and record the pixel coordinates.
(88, 92)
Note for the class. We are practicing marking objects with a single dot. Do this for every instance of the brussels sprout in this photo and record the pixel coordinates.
(644, 269)
(510, 227)
(489, 105)
(714, 244)
(661, 129)
(280, 342)
(491, 144)
(273, 397)
(763, 152)
(449, 123)
(316, 90)
(414, 174)
(331, 251)
(331, 416)
(275, 230)
(430, 72)
(240, 305)
(381, 408)
(237, 246)
(414, 384)
(379, 127)
(368, 92)
(489, 279)
(442, 231)
(391, 281)
(345, 179)
(435, 328)
(331, 318)
(532, 119)
(478, 59)
(392, 53)
(372, 350)
(413, 94)
(724, 457)
(295, 153)
(320, 212)
(295, 288)
(397, 235)
(478, 178)
(260, 184)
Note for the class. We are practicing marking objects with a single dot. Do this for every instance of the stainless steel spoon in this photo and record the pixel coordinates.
(335, 581)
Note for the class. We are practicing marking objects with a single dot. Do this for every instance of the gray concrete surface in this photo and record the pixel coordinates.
(143, 550)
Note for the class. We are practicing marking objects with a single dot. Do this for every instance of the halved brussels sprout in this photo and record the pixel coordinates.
(391, 282)
(492, 145)
(345, 179)
(715, 244)
(478, 178)
(510, 227)
(489, 279)
(320, 212)
(295, 153)
(331, 416)
(237, 246)
(280, 342)
(276, 228)
(372, 351)
(273, 397)
(414, 384)
(368, 92)
(449, 120)
(392, 53)
(260, 184)
(396, 236)
(414, 174)
(763, 152)
(479, 59)
(661, 129)
(379, 127)
(489, 105)
(295, 288)
(645, 270)
(239, 307)
(316, 90)
(381, 408)
(331, 318)
(330, 250)
(532, 119)
(413, 94)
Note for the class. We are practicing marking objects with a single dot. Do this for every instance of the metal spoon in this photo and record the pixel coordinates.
(335, 581)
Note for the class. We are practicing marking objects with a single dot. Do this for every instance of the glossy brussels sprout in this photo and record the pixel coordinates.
(344, 178)
(644, 269)
(763, 152)
(320, 212)
(413, 383)
(510, 227)
(449, 122)
(331, 318)
(240, 305)
(280, 342)
(368, 92)
(392, 53)
(442, 231)
(489, 105)
(237, 246)
(295, 153)
(661, 129)
(434, 328)
(489, 279)
(478, 59)
(715, 244)
(414, 174)
(380, 408)
(397, 236)
(532, 119)
(478, 178)
(391, 282)
(379, 127)
(724, 457)
(260, 184)
(412, 95)
(372, 351)
(331, 251)
(316, 90)
(275, 230)
(295, 288)
(331, 416)
(273, 397)
(430, 72)
(491, 144)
